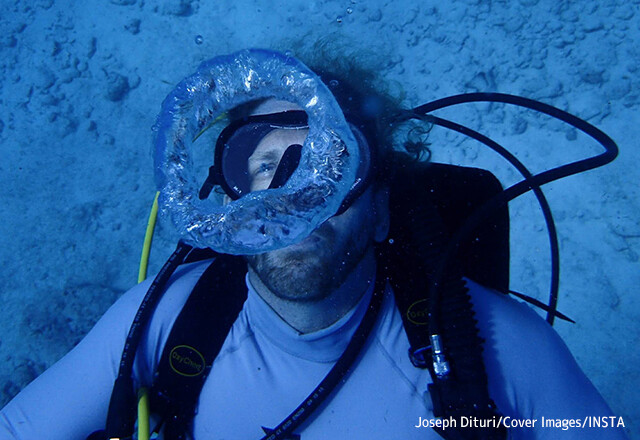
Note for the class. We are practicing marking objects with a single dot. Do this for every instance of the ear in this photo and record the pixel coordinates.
(381, 213)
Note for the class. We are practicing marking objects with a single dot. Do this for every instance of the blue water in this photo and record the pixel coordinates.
(83, 81)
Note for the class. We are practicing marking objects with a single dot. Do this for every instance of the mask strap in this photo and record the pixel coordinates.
(286, 167)
(208, 184)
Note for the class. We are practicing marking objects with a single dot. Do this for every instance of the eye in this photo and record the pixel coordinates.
(264, 168)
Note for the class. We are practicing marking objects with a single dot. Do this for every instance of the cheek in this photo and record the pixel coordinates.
(260, 183)
(356, 226)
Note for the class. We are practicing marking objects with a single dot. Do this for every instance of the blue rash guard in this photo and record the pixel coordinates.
(266, 368)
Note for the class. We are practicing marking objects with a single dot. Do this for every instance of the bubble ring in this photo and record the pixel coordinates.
(263, 220)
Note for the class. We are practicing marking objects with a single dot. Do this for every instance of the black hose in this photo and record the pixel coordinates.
(529, 183)
(542, 201)
(122, 414)
(339, 370)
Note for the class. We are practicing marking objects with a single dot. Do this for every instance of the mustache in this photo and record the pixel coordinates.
(294, 254)
(325, 235)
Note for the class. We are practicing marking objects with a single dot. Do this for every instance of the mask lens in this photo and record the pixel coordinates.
(235, 156)
(240, 143)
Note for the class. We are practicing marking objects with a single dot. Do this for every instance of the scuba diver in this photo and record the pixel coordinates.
(326, 286)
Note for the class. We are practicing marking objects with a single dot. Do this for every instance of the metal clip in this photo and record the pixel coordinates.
(440, 364)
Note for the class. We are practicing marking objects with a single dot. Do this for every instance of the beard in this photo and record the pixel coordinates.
(311, 270)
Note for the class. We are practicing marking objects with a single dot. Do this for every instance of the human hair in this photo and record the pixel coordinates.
(353, 76)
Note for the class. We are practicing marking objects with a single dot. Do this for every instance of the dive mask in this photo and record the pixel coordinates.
(238, 142)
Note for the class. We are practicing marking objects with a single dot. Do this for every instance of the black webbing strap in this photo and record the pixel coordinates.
(194, 342)
(464, 392)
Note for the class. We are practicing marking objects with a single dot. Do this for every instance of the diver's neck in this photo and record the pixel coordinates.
(311, 316)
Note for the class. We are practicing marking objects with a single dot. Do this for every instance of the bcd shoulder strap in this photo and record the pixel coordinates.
(194, 342)
(418, 237)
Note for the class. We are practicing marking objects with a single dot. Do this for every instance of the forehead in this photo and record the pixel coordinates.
(273, 105)
(277, 141)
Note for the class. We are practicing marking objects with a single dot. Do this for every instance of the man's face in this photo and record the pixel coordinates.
(313, 268)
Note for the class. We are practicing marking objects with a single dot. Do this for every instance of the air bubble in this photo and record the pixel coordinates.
(349, 10)
(339, 19)
(199, 39)
(287, 80)
(264, 221)
(333, 83)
